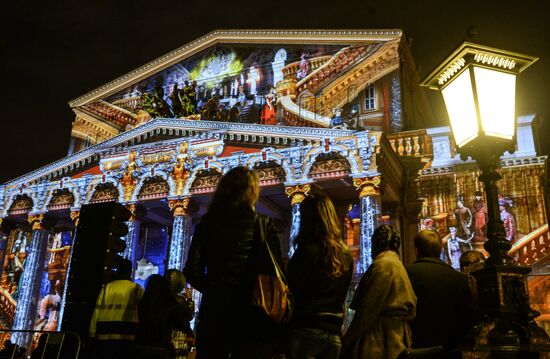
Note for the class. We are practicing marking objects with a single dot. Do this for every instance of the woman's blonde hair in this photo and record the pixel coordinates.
(319, 223)
(239, 186)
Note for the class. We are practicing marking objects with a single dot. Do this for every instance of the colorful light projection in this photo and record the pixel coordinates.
(250, 84)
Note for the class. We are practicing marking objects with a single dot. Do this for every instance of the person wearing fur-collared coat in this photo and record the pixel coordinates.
(384, 303)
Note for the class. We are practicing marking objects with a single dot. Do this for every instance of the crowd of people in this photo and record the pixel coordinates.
(426, 307)
(129, 322)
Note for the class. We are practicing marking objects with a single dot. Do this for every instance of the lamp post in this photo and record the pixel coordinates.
(478, 87)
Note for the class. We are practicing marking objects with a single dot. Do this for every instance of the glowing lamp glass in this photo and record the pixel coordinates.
(459, 100)
(496, 98)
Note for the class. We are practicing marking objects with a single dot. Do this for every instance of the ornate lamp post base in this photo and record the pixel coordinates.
(502, 286)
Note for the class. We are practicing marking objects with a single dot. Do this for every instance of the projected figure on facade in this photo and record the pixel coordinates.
(455, 247)
(337, 121)
(234, 112)
(268, 116)
(56, 244)
(188, 96)
(14, 269)
(176, 101)
(211, 110)
(234, 90)
(253, 79)
(353, 118)
(242, 96)
(304, 67)
(463, 217)
(507, 218)
(48, 312)
(480, 217)
(20, 244)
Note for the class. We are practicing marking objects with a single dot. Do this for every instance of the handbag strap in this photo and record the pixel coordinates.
(260, 230)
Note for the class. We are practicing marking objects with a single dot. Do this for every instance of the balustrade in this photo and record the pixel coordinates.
(291, 69)
(292, 119)
(411, 143)
(130, 103)
(531, 247)
(338, 63)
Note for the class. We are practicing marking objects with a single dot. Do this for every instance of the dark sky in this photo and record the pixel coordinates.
(54, 51)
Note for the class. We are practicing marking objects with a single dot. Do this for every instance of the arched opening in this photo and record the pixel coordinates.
(153, 188)
(22, 204)
(105, 192)
(269, 173)
(205, 181)
(62, 198)
(329, 165)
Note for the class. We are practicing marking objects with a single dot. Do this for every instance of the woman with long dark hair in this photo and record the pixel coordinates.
(319, 275)
(221, 265)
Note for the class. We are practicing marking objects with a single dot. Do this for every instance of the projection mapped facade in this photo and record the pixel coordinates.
(332, 111)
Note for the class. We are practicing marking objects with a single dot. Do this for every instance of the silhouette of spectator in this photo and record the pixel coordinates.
(319, 275)
(114, 322)
(159, 313)
(180, 336)
(384, 302)
(444, 307)
(218, 265)
(234, 113)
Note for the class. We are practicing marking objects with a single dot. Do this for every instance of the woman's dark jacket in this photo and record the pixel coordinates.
(318, 299)
(220, 252)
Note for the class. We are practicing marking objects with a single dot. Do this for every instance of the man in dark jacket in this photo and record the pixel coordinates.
(444, 307)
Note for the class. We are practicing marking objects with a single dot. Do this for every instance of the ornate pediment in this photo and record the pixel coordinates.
(248, 77)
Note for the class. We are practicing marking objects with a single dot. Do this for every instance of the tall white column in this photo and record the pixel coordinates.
(131, 238)
(297, 194)
(181, 231)
(31, 279)
(369, 195)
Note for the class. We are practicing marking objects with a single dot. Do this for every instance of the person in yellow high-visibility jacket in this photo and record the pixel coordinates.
(115, 319)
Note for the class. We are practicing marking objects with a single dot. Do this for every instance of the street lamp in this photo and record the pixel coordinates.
(478, 86)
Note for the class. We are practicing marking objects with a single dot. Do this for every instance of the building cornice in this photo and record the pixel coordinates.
(240, 132)
(236, 36)
(505, 162)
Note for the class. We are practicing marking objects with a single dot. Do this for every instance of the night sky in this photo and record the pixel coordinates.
(52, 52)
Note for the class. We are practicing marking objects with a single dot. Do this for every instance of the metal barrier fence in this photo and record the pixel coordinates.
(37, 344)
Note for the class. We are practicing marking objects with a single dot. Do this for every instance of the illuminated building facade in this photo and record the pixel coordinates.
(333, 111)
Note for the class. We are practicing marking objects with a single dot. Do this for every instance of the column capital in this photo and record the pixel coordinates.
(132, 207)
(368, 186)
(298, 192)
(179, 206)
(36, 221)
(75, 216)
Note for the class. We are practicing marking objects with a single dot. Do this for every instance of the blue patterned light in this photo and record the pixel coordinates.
(295, 227)
(180, 230)
(71, 236)
(131, 239)
(29, 287)
(370, 214)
